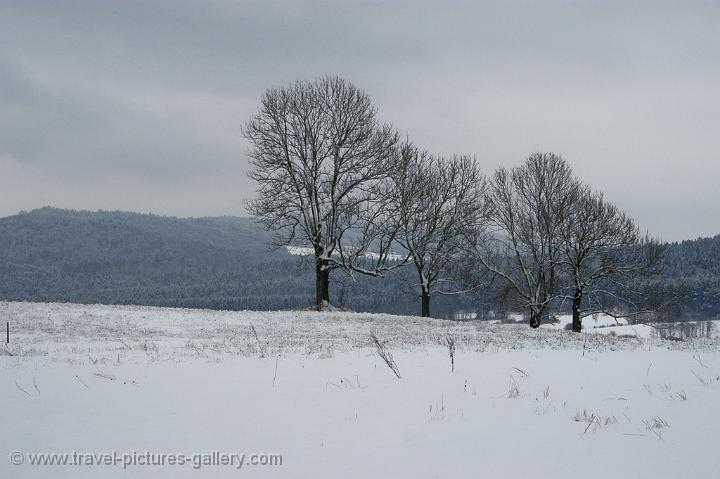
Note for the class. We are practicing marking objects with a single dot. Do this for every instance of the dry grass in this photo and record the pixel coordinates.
(385, 354)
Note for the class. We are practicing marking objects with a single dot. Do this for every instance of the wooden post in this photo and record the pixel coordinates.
(7, 331)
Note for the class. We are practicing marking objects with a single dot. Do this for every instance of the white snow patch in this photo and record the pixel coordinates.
(300, 250)
(305, 251)
(605, 324)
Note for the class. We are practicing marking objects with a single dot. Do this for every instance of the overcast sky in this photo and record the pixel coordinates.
(138, 105)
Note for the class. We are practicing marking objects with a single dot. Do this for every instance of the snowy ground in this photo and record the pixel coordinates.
(604, 324)
(309, 386)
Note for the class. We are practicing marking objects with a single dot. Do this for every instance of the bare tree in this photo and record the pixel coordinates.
(319, 156)
(528, 207)
(602, 251)
(436, 203)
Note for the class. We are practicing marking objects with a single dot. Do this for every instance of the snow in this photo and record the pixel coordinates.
(604, 324)
(309, 386)
(300, 250)
(305, 251)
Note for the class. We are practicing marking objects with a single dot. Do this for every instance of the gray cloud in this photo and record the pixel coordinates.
(138, 105)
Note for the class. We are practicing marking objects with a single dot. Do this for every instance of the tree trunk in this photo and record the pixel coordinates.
(535, 319)
(425, 303)
(576, 319)
(322, 284)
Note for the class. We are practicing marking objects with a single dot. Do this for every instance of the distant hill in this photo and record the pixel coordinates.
(121, 258)
(693, 267)
(114, 257)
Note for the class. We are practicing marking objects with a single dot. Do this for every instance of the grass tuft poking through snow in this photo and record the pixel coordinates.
(385, 354)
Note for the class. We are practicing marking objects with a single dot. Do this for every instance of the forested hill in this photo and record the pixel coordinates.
(113, 257)
(693, 267)
(127, 258)
(225, 263)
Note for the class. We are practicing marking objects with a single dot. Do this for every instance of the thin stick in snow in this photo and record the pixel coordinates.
(592, 420)
(450, 343)
(82, 382)
(20, 388)
(109, 377)
(275, 375)
(261, 347)
(385, 354)
(698, 359)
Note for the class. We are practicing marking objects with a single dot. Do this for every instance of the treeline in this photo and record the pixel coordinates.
(126, 258)
(385, 224)
(332, 177)
(691, 271)
(224, 263)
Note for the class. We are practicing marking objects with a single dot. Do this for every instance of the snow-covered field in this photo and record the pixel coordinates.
(311, 388)
(604, 324)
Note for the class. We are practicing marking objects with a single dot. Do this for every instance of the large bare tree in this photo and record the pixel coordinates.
(603, 251)
(528, 206)
(319, 157)
(437, 202)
